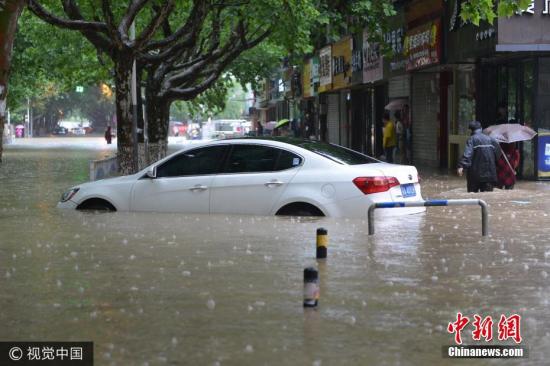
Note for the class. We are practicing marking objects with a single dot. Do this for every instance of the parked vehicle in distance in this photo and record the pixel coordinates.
(230, 128)
(178, 129)
(269, 176)
(78, 131)
(60, 131)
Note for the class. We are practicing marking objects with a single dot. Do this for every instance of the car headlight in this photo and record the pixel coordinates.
(69, 194)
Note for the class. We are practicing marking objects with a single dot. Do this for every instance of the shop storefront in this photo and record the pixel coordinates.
(466, 45)
(328, 118)
(359, 99)
(341, 82)
(396, 92)
(373, 76)
(310, 85)
(514, 84)
(429, 84)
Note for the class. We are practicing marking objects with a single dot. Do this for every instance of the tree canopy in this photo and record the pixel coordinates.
(185, 46)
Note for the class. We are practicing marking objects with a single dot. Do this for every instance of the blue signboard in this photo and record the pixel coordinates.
(544, 154)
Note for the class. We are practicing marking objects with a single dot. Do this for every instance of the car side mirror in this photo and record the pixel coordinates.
(151, 173)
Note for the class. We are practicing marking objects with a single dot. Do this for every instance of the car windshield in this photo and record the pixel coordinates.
(337, 153)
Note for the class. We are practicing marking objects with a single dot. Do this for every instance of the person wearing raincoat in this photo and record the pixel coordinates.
(389, 138)
(479, 159)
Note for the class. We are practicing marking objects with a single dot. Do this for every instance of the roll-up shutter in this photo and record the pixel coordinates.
(425, 108)
(333, 118)
(399, 87)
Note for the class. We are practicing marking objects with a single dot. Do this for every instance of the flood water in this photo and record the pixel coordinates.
(155, 289)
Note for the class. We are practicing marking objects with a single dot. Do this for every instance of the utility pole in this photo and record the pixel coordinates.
(145, 131)
(28, 124)
(134, 104)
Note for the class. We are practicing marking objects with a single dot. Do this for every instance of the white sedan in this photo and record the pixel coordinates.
(271, 176)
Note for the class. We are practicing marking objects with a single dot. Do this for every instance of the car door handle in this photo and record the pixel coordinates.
(198, 187)
(273, 183)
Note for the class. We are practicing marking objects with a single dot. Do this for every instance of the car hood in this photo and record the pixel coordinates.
(112, 180)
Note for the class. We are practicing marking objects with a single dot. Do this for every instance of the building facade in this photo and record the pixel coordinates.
(442, 73)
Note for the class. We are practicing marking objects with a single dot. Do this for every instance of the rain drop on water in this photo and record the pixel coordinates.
(211, 304)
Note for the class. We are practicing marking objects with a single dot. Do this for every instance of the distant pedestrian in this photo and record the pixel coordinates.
(389, 141)
(502, 114)
(408, 133)
(507, 165)
(259, 129)
(479, 159)
(400, 153)
(108, 135)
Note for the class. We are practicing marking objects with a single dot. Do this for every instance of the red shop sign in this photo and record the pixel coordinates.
(422, 45)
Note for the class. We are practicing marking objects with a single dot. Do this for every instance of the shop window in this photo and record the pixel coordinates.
(467, 102)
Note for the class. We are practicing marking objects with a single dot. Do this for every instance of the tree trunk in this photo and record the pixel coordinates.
(124, 114)
(158, 116)
(10, 10)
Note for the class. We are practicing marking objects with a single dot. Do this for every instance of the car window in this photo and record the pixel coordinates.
(258, 158)
(206, 160)
(287, 160)
(337, 153)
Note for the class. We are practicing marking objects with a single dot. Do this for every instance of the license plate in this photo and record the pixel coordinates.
(407, 190)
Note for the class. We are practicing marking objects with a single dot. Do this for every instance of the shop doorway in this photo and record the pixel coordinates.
(507, 95)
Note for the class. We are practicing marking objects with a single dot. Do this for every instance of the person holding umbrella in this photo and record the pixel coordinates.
(507, 165)
(480, 156)
(508, 134)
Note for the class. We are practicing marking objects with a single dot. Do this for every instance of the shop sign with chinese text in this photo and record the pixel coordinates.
(373, 62)
(423, 45)
(341, 63)
(325, 69)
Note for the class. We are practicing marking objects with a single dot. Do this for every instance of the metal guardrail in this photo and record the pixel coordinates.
(433, 203)
(104, 168)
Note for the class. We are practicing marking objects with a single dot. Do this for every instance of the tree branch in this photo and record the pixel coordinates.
(131, 12)
(188, 91)
(155, 24)
(187, 31)
(117, 38)
(79, 24)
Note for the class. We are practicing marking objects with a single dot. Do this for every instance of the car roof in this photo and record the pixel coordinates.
(287, 140)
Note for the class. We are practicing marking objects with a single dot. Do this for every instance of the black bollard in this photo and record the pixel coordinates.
(311, 287)
(322, 243)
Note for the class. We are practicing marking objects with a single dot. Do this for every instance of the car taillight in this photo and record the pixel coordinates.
(369, 185)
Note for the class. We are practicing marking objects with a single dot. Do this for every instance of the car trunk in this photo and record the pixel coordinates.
(408, 190)
(407, 175)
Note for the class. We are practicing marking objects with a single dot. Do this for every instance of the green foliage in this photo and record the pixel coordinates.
(478, 10)
(48, 63)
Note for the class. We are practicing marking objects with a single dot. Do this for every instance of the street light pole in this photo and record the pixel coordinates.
(133, 86)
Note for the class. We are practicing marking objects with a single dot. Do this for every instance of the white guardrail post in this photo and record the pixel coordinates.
(432, 203)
